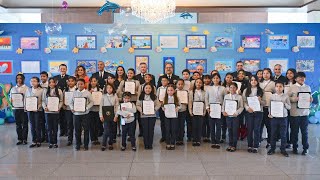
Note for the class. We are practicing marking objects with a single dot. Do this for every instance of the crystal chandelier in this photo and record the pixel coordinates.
(153, 11)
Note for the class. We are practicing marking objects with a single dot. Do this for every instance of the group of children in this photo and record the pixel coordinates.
(206, 105)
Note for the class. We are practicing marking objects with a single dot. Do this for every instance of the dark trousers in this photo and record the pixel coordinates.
(300, 122)
(181, 125)
(81, 122)
(43, 126)
(129, 129)
(21, 118)
(197, 124)
(215, 128)
(171, 130)
(224, 127)
(266, 122)
(63, 122)
(94, 125)
(35, 126)
(289, 128)
(113, 129)
(107, 133)
(138, 116)
(278, 125)
(52, 120)
(162, 123)
(148, 124)
(69, 119)
(189, 125)
(233, 129)
(206, 127)
(254, 123)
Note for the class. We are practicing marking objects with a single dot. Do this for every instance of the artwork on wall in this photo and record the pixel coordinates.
(169, 41)
(86, 42)
(251, 65)
(6, 67)
(168, 60)
(224, 65)
(112, 65)
(141, 41)
(306, 41)
(29, 43)
(278, 41)
(224, 42)
(196, 41)
(90, 65)
(58, 42)
(192, 64)
(113, 42)
(305, 65)
(282, 61)
(250, 41)
(53, 66)
(30, 67)
(5, 43)
(141, 59)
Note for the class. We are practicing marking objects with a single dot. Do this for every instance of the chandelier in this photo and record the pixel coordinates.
(153, 11)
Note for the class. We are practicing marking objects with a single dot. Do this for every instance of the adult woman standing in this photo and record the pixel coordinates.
(81, 73)
(120, 76)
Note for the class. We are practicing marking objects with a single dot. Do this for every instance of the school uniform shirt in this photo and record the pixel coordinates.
(281, 98)
(44, 85)
(156, 102)
(267, 86)
(73, 89)
(121, 88)
(19, 89)
(109, 100)
(253, 93)
(52, 94)
(214, 94)
(287, 87)
(125, 113)
(197, 96)
(293, 94)
(236, 97)
(141, 89)
(95, 108)
(85, 94)
(36, 92)
(183, 107)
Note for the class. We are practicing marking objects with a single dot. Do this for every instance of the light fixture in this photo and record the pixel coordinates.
(153, 11)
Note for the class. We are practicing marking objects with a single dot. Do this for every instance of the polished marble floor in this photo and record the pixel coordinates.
(186, 162)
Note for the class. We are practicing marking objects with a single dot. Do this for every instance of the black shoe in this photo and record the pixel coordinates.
(123, 148)
(162, 140)
(33, 145)
(86, 149)
(295, 151)
(38, 144)
(268, 145)
(50, 146)
(217, 146)
(228, 149)
(304, 152)
(55, 146)
(288, 146)
(140, 135)
(103, 148)
(25, 142)
(222, 141)
(134, 149)
(254, 150)
(284, 153)
(114, 141)
(249, 150)
(168, 147)
(19, 143)
(214, 146)
(271, 152)
(194, 144)
(233, 149)
(198, 143)
(189, 140)
(69, 143)
(110, 147)
(77, 148)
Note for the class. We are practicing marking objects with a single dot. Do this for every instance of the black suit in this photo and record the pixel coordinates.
(235, 74)
(102, 81)
(62, 82)
(171, 80)
(141, 79)
(280, 78)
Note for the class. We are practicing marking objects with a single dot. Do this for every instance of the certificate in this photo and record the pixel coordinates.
(67, 98)
(53, 104)
(239, 84)
(170, 111)
(127, 106)
(31, 104)
(215, 110)
(304, 100)
(230, 107)
(80, 104)
(286, 89)
(148, 107)
(254, 103)
(197, 108)
(183, 96)
(96, 98)
(130, 87)
(162, 93)
(17, 100)
(186, 85)
(276, 109)
(267, 96)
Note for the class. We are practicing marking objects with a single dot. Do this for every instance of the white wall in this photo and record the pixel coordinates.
(275, 17)
(20, 18)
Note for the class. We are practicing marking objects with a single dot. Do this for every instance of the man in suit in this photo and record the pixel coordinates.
(277, 70)
(101, 75)
(143, 71)
(239, 66)
(169, 74)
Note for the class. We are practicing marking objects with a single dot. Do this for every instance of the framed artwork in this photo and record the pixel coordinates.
(5, 43)
(141, 41)
(113, 42)
(192, 64)
(112, 65)
(58, 43)
(6, 67)
(168, 60)
(251, 65)
(86, 42)
(251, 41)
(224, 65)
(196, 41)
(224, 42)
(280, 41)
(29, 43)
(30, 67)
(140, 59)
(306, 41)
(305, 65)
(90, 65)
(169, 41)
(53, 66)
(282, 61)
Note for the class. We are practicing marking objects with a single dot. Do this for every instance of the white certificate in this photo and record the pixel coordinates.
(127, 106)
(254, 103)
(186, 85)
(80, 104)
(53, 104)
(182, 96)
(162, 93)
(31, 104)
(96, 98)
(304, 100)
(230, 107)
(148, 107)
(67, 98)
(215, 111)
(239, 84)
(17, 100)
(286, 89)
(170, 111)
(276, 109)
(267, 96)
(130, 87)
(197, 108)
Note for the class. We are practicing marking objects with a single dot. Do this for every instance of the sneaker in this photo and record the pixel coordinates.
(194, 144)
(233, 149)
(110, 147)
(134, 149)
(284, 153)
(217, 146)
(123, 148)
(213, 146)
(305, 152)
(69, 143)
(172, 147)
(228, 149)
(55, 146)
(38, 144)
(103, 148)
(254, 150)
(295, 151)
(168, 147)
(19, 143)
(271, 152)
(249, 150)
(50, 146)
(198, 143)
(33, 145)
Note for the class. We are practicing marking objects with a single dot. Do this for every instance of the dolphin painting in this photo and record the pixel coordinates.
(185, 15)
(107, 7)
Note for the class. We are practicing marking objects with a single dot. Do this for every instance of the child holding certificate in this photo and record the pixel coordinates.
(197, 110)
(33, 103)
(206, 125)
(226, 83)
(213, 102)
(195, 76)
(148, 105)
(183, 111)
(107, 112)
(278, 110)
(186, 77)
(17, 95)
(300, 98)
(252, 100)
(80, 105)
(232, 107)
(161, 91)
(44, 83)
(52, 101)
(68, 94)
(147, 79)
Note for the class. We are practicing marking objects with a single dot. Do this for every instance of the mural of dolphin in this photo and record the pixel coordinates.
(107, 7)
(185, 15)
